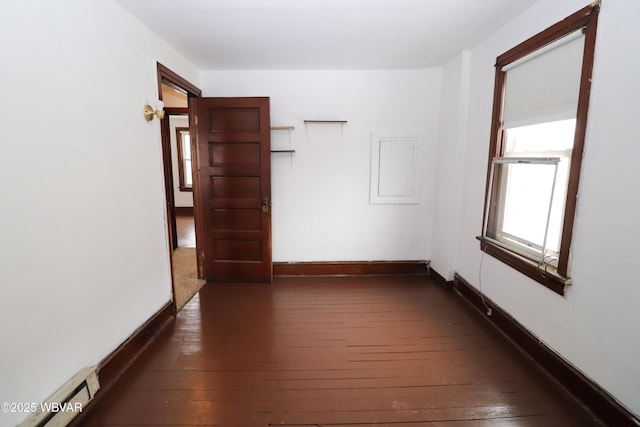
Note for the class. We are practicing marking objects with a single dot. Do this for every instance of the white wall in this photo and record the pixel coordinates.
(83, 243)
(450, 154)
(180, 198)
(595, 326)
(321, 209)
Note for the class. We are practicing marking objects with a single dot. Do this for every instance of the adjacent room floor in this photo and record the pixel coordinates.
(373, 351)
(186, 232)
(185, 270)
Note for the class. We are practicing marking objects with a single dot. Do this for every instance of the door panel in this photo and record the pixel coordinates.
(236, 154)
(238, 219)
(234, 170)
(236, 187)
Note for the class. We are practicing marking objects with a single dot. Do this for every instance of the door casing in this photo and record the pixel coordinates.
(165, 75)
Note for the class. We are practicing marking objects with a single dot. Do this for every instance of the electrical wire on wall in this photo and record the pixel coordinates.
(552, 259)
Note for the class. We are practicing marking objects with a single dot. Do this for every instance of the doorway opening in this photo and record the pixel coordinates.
(181, 205)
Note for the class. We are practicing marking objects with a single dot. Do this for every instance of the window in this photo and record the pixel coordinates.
(184, 159)
(541, 98)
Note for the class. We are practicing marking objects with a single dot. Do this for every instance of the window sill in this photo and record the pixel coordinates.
(186, 189)
(550, 279)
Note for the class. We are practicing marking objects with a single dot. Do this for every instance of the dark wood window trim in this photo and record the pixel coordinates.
(549, 278)
(586, 18)
(181, 178)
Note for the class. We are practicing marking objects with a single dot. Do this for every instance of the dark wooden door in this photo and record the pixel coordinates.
(234, 179)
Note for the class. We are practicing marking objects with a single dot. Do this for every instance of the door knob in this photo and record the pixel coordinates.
(265, 204)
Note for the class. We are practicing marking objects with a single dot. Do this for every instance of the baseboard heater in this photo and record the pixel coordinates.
(69, 401)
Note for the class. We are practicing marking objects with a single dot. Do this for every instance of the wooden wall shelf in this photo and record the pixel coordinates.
(326, 121)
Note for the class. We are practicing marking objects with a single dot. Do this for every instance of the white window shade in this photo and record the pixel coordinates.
(544, 87)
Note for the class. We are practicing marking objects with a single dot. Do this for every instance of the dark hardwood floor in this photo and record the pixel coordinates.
(362, 351)
(186, 231)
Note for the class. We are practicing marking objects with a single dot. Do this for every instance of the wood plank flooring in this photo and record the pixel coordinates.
(373, 351)
(185, 230)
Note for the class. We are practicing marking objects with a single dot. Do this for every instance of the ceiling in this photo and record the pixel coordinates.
(322, 34)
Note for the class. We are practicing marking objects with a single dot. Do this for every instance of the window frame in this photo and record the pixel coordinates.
(518, 244)
(182, 184)
(554, 278)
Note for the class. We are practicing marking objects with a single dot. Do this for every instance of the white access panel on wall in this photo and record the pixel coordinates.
(395, 168)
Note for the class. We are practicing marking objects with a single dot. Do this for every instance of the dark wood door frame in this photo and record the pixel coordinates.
(167, 76)
(168, 170)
